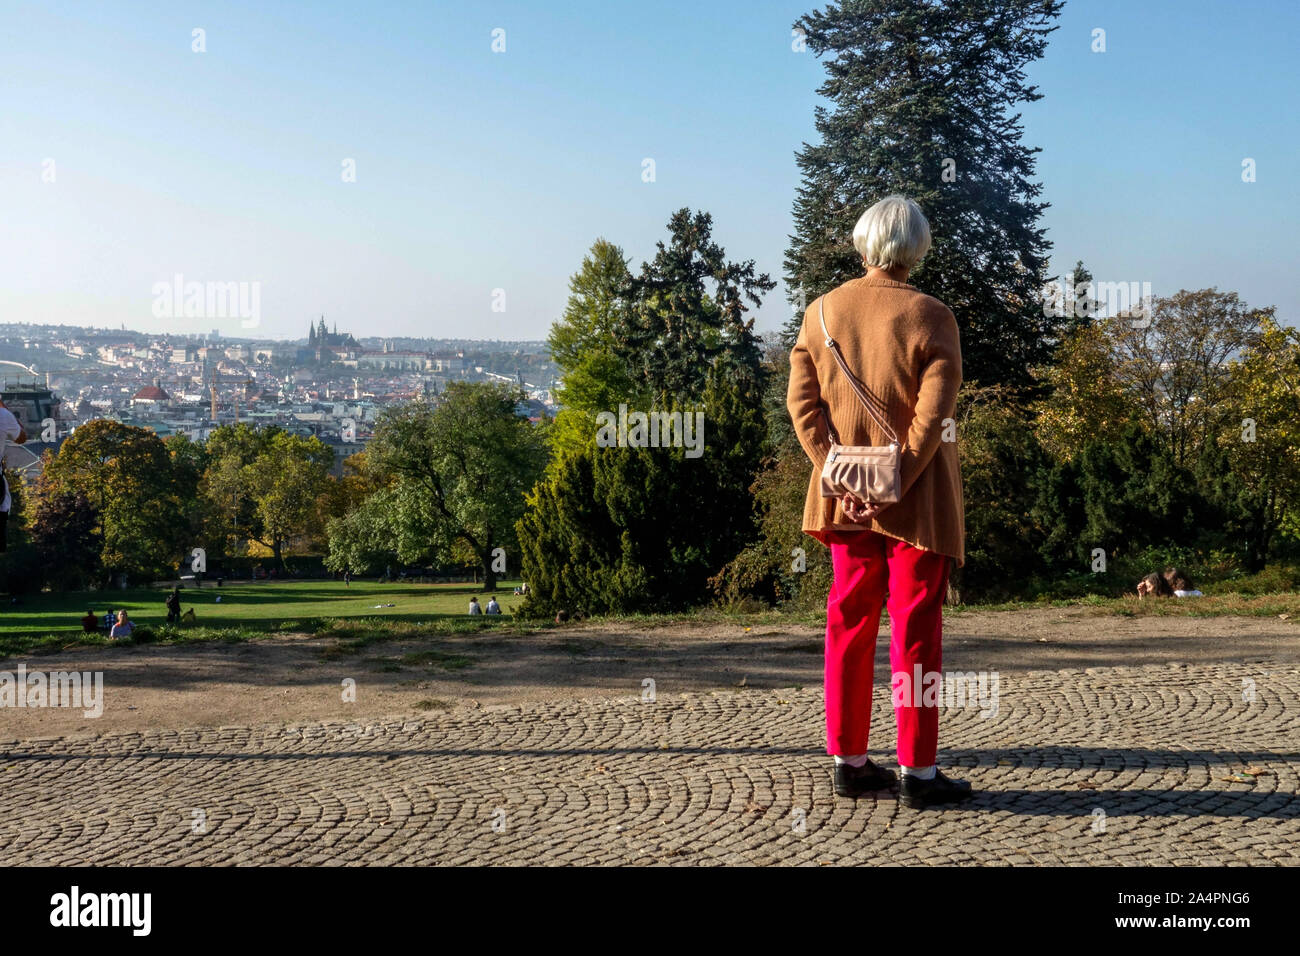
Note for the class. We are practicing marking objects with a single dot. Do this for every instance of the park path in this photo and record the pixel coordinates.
(1099, 766)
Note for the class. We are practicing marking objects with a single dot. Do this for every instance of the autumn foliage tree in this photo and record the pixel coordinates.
(123, 481)
(267, 487)
(1260, 439)
(453, 479)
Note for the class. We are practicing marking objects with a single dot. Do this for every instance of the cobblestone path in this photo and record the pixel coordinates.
(1109, 766)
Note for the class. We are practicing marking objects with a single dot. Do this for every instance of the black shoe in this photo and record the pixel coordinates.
(855, 781)
(918, 794)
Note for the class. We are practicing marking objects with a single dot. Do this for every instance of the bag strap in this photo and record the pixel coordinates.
(853, 382)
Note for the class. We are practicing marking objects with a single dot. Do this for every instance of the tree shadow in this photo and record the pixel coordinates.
(1022, 801)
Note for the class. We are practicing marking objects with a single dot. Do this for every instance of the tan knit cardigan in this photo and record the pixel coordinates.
(904, 347)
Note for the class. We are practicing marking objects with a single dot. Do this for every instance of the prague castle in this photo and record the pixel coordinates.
(322, 343)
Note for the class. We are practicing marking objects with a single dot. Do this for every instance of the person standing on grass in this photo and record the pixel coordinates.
(11, 433)
(174, 606)
(903, 348)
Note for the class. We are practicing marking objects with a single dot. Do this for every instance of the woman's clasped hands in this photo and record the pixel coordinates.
(861, 512)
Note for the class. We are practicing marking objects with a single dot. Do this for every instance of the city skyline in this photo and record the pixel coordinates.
(133, 157)
(232, 337)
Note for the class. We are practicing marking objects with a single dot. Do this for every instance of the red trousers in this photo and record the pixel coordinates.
(870, 568)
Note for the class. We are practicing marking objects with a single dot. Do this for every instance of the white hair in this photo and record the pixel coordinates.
(893, 232)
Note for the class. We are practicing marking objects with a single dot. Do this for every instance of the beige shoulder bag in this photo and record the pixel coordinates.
(871, 473)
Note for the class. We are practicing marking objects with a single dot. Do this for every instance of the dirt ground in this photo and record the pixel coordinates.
(292, 678)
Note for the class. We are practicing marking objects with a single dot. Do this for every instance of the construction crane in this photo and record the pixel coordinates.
(212, 387)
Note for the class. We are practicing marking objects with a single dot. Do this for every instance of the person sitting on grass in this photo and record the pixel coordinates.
(473, 606)
(1180, 583)
(123, 628)
(90, 623)
(1154, 585)
(110, 618)
(493, 607)
(188, 616)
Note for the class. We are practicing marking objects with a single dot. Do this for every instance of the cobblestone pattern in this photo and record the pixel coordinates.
(1113, 766)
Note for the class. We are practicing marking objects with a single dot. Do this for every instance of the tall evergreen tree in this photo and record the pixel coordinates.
(1084, 307)
(923, 95)
(582, 345)
(621, 527)
(687, 315)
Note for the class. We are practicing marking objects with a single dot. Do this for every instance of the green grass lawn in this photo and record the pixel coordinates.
(48, 622)
(247, 610)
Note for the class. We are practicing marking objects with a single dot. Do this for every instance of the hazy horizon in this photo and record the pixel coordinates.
(233, 336)
(129, 159)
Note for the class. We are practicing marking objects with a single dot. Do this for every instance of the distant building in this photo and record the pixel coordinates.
(150, 398)
(389, 358)
(449, 362)
(32, 405)
(324, 346)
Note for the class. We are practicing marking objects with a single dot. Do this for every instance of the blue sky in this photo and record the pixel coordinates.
(478, 171)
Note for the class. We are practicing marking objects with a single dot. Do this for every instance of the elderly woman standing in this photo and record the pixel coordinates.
(904, 350)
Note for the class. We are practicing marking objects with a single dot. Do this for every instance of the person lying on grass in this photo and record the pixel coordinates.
(1172, 582)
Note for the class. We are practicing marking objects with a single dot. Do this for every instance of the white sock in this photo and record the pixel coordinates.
(921, 773)
(853, 760)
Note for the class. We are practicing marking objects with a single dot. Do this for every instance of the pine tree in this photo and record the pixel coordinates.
(1084, 306)
(625, 528)
(582, 345)
(687, 315)
(923, 94)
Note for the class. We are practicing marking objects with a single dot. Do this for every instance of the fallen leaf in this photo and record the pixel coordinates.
(1258, 772)
(1238, 778)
